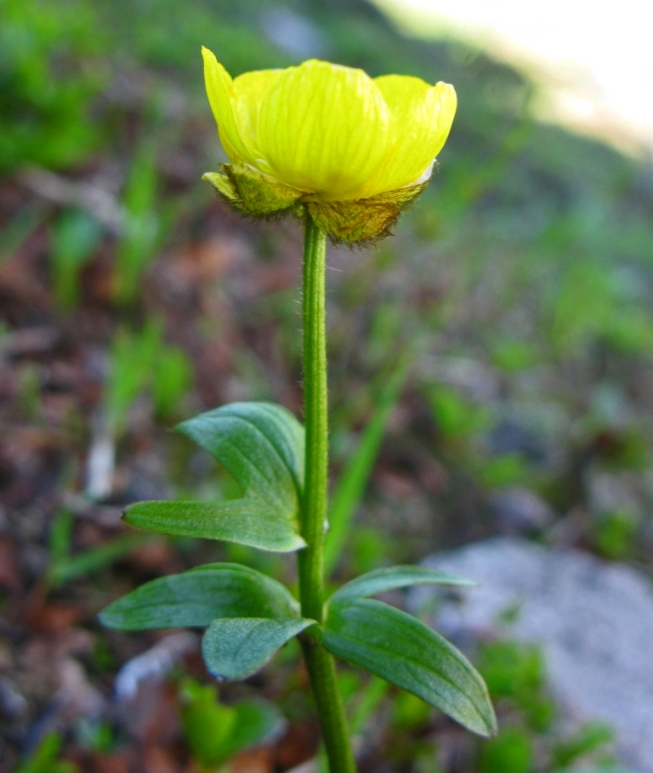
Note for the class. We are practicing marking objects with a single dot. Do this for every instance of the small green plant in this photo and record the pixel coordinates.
(215, 733)
(142, 226)
(590, 738)
(49, 75)
(515, 672)
(45, 758)
(348, 173)
(531, 739)
(614, 533)
(66, 567)
(351, 484)
(139, 361)
(73, 238)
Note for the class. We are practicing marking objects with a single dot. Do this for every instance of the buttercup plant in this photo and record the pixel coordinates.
(346, 154)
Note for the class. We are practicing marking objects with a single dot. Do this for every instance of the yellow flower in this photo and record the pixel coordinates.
(354, 151)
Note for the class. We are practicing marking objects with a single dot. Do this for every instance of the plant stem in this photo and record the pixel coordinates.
(319, 662)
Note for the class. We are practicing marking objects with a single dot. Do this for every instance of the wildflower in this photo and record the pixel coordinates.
(352, 150)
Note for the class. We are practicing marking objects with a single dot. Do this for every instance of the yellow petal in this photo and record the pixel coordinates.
(421, 117)
(324, 128)
(249, 90)
(220, 91)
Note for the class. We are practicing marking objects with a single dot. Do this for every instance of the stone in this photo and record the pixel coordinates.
(592, 619)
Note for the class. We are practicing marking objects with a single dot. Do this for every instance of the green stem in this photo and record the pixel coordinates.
(320, 663)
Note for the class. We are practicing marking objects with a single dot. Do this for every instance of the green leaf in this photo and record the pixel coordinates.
(44, 759)
(256, 722)
(244, 521)
(235, 648)
(351, 485)
(258, 428)
(199, 596)
(401, 649)
(67, 569)
(262, 446)
(215, 733)
(397, 577)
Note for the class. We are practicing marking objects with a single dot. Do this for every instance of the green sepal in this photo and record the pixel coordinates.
(362, 221)
(397, 647)
(251, 192)
(353, 221)
(262, 446)
(236, 648)
(199, 596)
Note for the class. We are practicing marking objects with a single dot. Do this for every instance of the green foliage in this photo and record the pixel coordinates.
(136, 362)
(45, 758)
(215, 732)
(237, 647)
(512, 355)
(510, 752)
(249, 616)
(504, 470)
(142, 227)
(351, 485)
(409, 711)
(380, 580)
(401, 649)
(173, 377)
(96, 735)
(48, 75)
(368, 548)
(199, 596)
(515, 671)
(65, 567)
(597, 769)
(262, 446)
(590, 738)
(366, 702)
(614, 533)
(455, 416)
(594, 302)
(74, 238)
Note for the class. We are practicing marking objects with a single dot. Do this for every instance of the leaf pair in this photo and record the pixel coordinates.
(249, 616)
(262, 446)
(401, 649)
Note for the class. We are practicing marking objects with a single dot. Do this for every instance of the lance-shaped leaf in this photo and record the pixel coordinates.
(401, 649)
(381, 580)
(199, 596)
(235, 648)
(262, 446)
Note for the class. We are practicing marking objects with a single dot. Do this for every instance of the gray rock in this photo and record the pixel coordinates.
(593, 620)
(520, 511)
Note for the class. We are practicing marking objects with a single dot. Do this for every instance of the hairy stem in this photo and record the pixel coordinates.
(319, 662)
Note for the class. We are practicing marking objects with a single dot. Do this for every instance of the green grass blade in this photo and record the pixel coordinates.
(351, 485)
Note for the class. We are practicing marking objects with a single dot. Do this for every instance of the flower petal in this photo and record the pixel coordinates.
(324, 128)
(421, 117)
(220, 91)
(249, 90)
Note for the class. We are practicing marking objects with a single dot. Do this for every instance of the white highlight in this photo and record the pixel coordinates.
(595, 61)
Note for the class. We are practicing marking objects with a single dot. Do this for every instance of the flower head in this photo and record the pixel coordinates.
(353, 150)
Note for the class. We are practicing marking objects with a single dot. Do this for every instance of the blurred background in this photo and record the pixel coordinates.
(491, 371)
